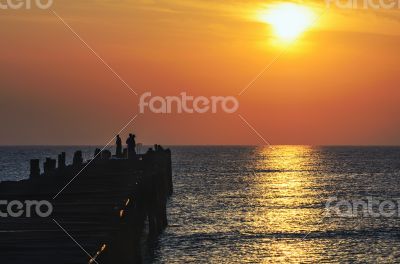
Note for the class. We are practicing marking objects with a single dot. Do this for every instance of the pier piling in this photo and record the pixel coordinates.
(35, 168)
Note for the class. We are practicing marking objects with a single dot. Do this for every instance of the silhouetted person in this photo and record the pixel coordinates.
(129, 142)
(131, 146)
(119, 147)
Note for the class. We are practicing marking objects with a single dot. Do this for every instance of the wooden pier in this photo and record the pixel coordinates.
(108, 208)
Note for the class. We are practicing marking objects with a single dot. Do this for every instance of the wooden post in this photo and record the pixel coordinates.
(49, 165)
(97, 152)
(61, 160)
(35, 168)
(78, 160)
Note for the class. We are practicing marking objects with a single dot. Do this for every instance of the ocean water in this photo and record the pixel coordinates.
(266, 204)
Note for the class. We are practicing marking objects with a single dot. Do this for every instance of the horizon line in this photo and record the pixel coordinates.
(204, 145)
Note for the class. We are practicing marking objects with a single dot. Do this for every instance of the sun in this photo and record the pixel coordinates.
(288, 20)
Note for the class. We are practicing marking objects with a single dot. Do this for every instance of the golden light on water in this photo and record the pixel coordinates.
(287, 190)
(284, 187)
(288, 20)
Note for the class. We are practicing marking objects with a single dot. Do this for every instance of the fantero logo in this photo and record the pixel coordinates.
(364, 4)
(188, 104)
(17, 209)
(25, 4)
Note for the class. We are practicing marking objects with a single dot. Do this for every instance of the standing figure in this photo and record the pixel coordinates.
(119, 147)
(131, 146)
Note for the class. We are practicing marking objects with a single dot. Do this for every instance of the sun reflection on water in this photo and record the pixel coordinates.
(285, 198)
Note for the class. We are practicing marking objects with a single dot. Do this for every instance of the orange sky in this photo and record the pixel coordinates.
(336, 84)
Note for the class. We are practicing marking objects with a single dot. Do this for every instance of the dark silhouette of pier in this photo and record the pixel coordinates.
(110, 205)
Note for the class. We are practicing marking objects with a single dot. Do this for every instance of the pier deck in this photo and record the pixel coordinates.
(108, 209)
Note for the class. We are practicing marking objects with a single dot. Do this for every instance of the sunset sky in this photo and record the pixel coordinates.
(337, 83)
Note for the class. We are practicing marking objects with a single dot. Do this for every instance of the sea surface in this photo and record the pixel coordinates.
(267, 204)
